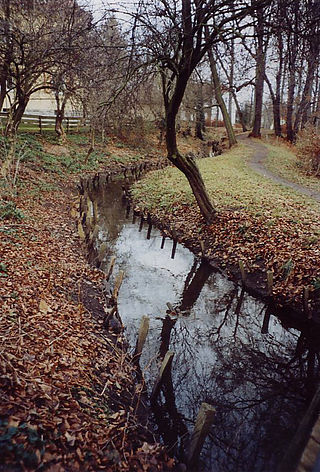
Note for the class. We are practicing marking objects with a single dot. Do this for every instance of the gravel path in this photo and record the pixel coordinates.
(257, 163)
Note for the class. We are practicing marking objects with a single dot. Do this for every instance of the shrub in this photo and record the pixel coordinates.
(308, 146)
(9, 210)
(218, 123)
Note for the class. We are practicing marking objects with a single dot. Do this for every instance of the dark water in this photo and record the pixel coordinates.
(230, 349)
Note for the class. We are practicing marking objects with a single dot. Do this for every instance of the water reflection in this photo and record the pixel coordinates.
(257, 369)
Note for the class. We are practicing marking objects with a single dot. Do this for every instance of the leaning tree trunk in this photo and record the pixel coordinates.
(15, 116)
(187, 165)
(199, 114)
(234, 94)
(219, 98)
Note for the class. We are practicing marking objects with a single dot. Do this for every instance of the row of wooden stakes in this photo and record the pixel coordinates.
(206, 412)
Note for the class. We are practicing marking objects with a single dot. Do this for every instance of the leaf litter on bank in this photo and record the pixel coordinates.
(66, 390)
(259, 222)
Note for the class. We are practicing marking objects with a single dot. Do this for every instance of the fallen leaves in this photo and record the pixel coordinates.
(56, 358)
(239, 235)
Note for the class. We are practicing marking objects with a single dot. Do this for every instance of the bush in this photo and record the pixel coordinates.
(218, 123)
(9, 210)
(308, 146)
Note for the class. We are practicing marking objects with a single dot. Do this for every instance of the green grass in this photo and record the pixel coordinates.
(43, 153)
(34, 128)
(285, 163)
(230, 184)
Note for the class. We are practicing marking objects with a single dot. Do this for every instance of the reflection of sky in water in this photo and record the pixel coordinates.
(254, 380)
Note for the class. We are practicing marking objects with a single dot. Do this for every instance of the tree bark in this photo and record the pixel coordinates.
(304, 106)
(275, 97)
(199, 114)
(185, 164)
(260, 74)
(219, 98)
(9, 159)
(3, 83)
(15, 116)
(289, 121)
(7, 57)
(231, 77)
(292, 59)
(60, 115)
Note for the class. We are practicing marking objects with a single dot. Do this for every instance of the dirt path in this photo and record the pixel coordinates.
(257, 163)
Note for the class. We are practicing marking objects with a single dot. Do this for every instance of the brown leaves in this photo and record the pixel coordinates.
(55, 359)
(262, 241)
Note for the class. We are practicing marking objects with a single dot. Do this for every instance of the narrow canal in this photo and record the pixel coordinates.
(257, 369)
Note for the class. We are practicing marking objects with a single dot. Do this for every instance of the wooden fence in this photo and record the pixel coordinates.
(48, 121)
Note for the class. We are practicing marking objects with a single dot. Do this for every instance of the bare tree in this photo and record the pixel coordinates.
(262, 38)
(37, 36)
(220, 100)
(311, 34)
(174, 39)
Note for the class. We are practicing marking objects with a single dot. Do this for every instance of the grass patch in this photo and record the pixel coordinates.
(284, 162)
(231, 184)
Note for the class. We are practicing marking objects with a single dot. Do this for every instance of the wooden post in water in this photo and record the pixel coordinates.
(270, 282)
(290, 460)
(265, 323)
(164, 369)
(142, 336)
(134, 216)
(117, 285)
(149, 231)
(141, 223)
(202, 248)
(305, 301)
(243, 273)
(201, 428)
(163, 241)
(174, 247)
(102, 251)
(110, 268)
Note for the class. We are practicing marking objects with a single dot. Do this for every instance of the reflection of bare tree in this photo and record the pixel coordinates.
(195, 281)
(170, 422)
(259, 391)
(258, 374)
(167, 326)
(257, 382)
